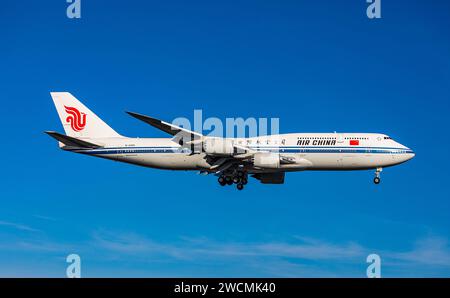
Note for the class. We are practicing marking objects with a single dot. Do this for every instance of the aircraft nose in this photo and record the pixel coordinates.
(410, 154)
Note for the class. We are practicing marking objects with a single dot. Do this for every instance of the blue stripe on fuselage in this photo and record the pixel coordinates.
(285, 149)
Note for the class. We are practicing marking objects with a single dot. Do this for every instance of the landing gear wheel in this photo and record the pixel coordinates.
(240, 186)
(228, 180)
(236, 179)
(377, 179)
(244, 181)
(240, 174)
(222, 181)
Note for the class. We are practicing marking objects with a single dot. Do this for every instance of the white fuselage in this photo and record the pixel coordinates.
(311, 151)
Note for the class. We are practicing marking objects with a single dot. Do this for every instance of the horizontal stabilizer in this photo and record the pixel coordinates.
(71, 141)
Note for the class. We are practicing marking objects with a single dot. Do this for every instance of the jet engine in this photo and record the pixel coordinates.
(267, 160)
(218, 146)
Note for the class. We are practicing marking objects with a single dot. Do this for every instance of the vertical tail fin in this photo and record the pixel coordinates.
(77, 120)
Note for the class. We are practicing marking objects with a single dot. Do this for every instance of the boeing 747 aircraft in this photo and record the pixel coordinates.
(266, 158)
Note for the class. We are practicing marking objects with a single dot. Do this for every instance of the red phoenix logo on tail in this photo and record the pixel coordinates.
(76, 119)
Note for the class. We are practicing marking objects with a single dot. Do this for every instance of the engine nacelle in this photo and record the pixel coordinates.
(218, 146)
(267, 160)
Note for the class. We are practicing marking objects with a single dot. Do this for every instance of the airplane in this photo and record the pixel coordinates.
(266, 158)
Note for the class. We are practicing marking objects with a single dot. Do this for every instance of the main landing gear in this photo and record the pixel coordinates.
(239, 178)
(377, 178)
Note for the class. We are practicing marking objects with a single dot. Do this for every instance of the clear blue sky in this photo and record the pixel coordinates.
(320, 66)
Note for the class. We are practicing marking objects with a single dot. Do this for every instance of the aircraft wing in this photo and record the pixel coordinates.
(190, 139)
(164, 126)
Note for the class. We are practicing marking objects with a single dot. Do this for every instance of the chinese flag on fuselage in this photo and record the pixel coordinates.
(354, 142)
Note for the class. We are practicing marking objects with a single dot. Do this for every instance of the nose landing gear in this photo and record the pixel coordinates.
(377, 178)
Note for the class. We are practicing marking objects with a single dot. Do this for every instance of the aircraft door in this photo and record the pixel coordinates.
(339, 155)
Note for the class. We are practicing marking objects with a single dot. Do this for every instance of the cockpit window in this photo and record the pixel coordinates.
(387, 138)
